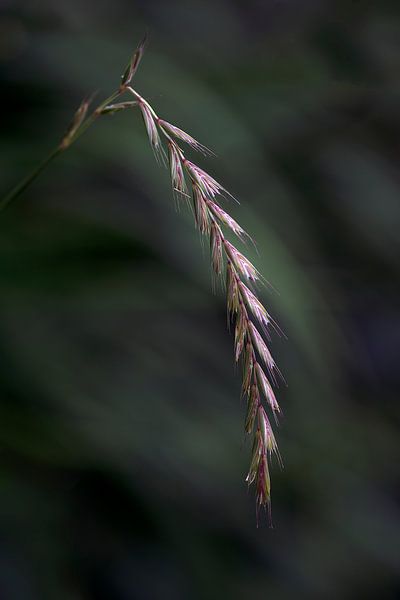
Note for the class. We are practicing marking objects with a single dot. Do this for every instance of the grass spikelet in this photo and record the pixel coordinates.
(227, 220)
(255, 457)
(232, 291)
(263, 485)
(185, 137)
(177, 175)
(266, 388)
(208, 185)
(240, 333)
(253, 403)
(201, 212)
(248, 368)
(255, 306)
(133, 64)
(152, 132)
(217, 257)
(243, 265)
(76, 122)
(262, 348)
(111, 109)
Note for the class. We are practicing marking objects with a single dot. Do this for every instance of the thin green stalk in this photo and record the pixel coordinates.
(26, 181)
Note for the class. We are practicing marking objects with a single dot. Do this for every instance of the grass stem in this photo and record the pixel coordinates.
(22, 185)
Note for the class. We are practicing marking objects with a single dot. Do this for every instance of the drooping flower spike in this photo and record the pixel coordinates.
(245, 312)
(250, 317)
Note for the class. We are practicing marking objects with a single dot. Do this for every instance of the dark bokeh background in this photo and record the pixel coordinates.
(122, 453)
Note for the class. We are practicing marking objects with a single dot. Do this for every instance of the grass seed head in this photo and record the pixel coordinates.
(241, 302)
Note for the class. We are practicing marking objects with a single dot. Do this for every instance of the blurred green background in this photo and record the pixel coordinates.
(123, 456)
